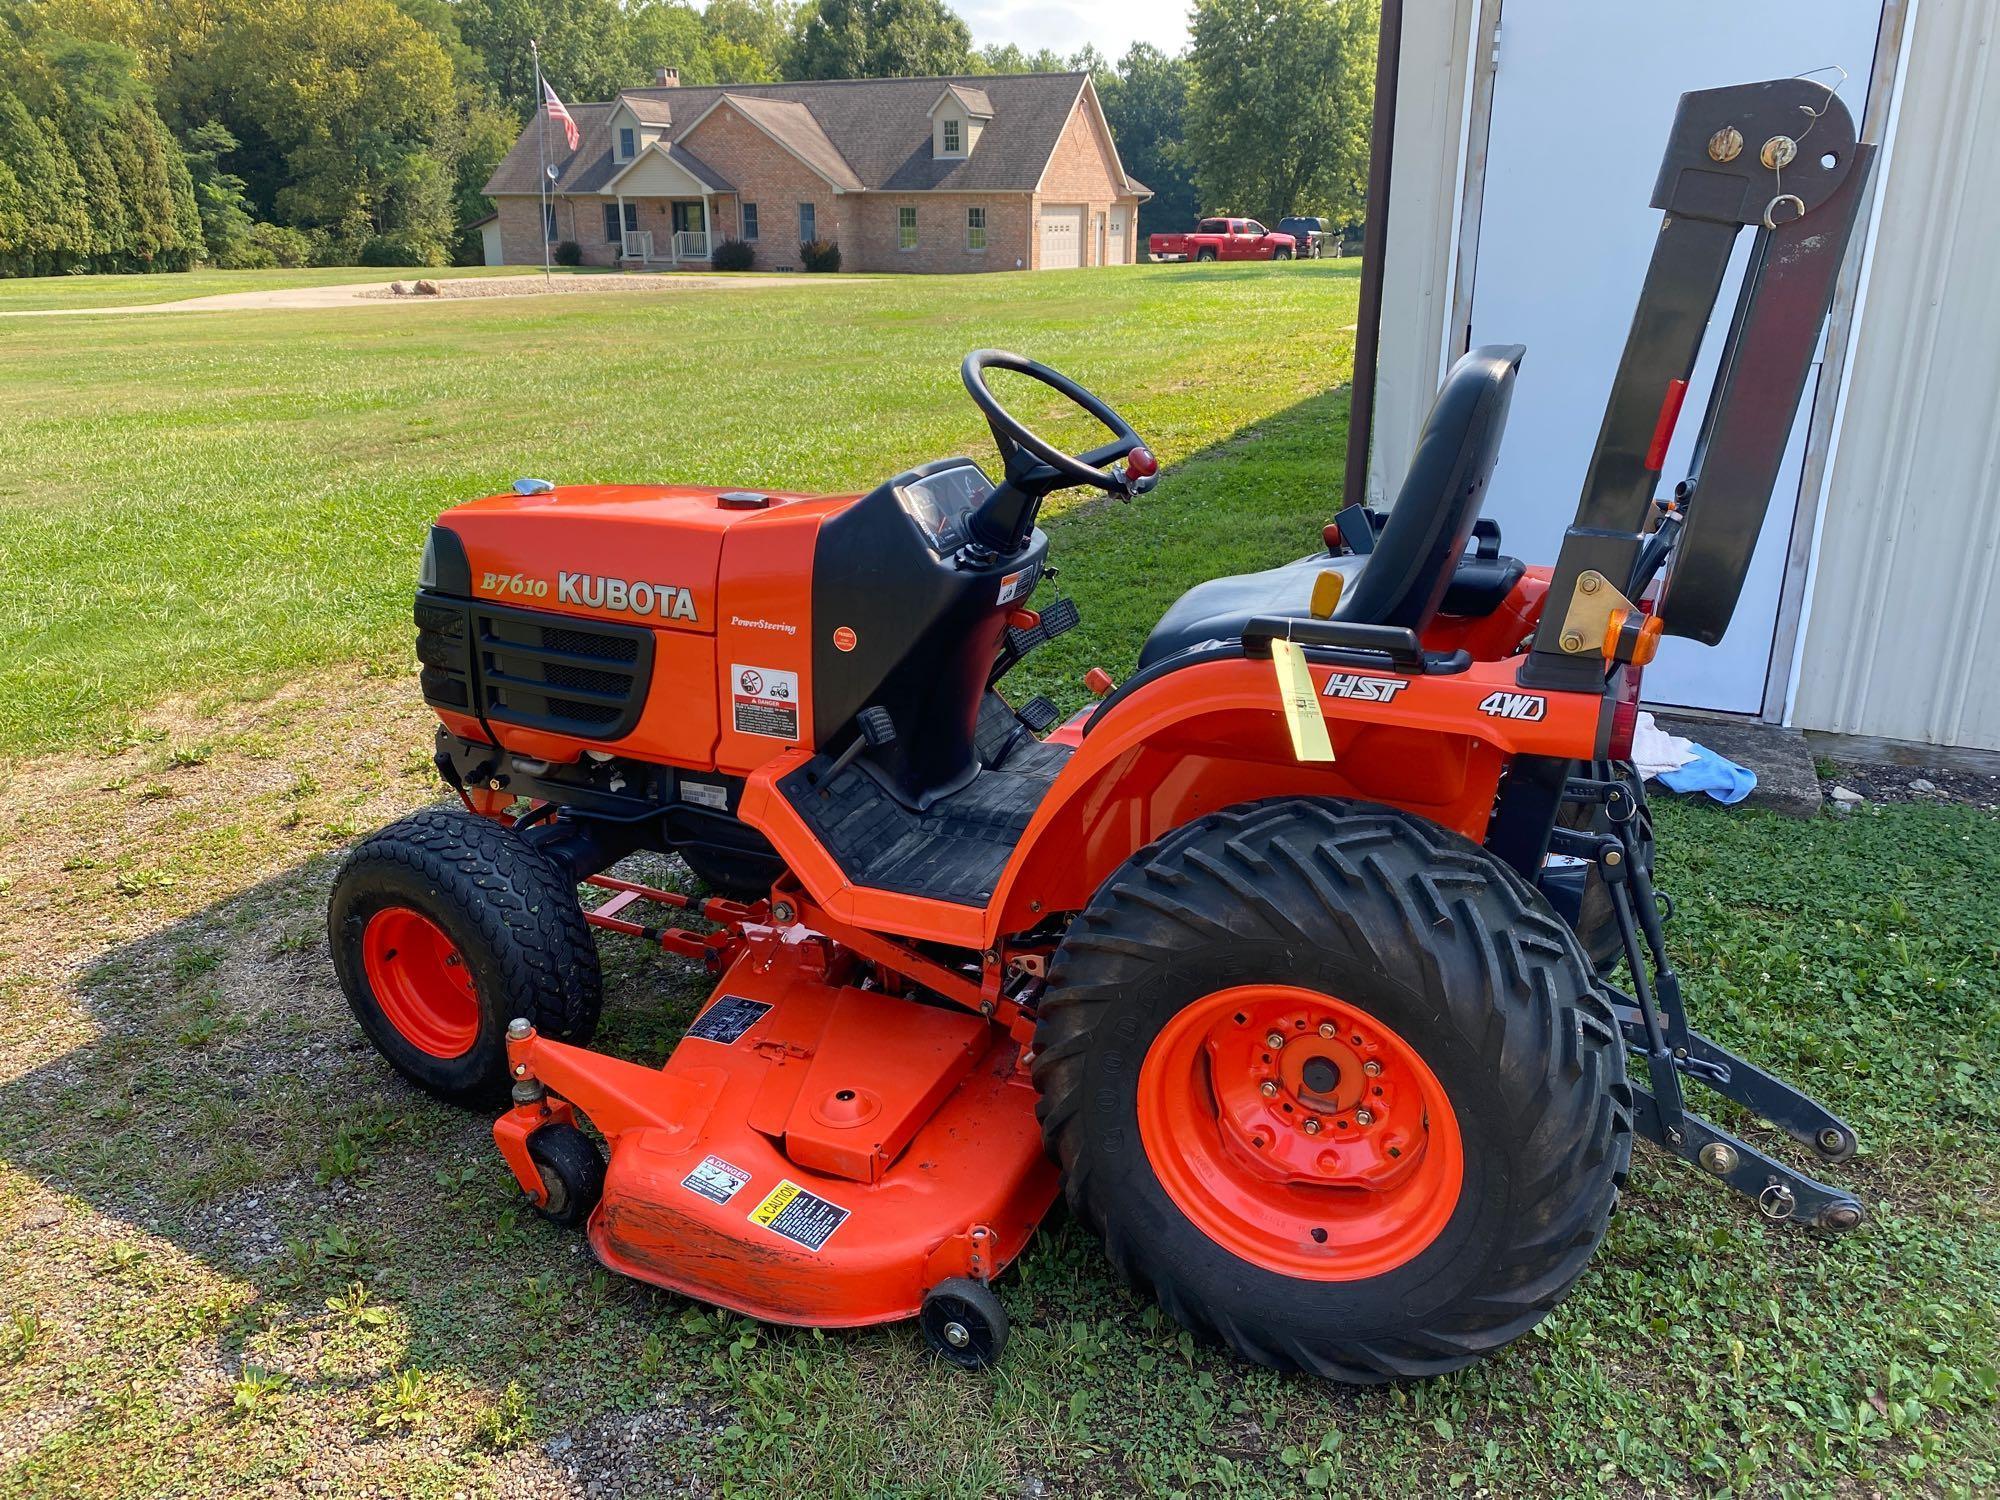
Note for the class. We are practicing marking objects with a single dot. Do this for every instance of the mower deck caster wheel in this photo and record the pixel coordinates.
(572, 1173)
(964, 1323)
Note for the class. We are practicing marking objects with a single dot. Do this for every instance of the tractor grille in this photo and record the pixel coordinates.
(527, 667)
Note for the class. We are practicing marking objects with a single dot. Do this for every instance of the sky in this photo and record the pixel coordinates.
(1109, 25)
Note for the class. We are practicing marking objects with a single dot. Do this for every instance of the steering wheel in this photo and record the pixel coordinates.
(1124, 466)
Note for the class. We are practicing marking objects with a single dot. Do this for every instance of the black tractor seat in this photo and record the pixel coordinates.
(1417, 567)
(1220, 609)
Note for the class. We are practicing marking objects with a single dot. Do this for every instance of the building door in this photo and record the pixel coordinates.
(1062, 236)
(1117, 257)
(1583, 94)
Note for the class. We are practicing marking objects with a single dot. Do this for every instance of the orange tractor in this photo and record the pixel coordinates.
(1291, 961)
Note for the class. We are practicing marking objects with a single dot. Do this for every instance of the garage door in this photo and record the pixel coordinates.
(1062, 235)
(1116, 255)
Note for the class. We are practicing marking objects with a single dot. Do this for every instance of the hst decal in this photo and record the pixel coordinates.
(1365, 689)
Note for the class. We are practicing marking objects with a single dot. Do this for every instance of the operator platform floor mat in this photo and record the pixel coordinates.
(956, 850)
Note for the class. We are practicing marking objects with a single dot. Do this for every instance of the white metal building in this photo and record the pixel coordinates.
(1527, 136)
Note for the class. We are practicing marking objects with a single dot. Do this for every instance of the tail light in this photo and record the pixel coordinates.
(1624, 690)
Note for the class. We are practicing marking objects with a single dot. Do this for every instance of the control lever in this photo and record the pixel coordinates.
(878, 731)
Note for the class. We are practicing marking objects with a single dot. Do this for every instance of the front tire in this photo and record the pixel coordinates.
(446, 926)
(1431, 1016)
(1281, 254)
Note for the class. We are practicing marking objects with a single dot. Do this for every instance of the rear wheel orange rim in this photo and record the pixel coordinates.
(421, 981)
(1300, 1133)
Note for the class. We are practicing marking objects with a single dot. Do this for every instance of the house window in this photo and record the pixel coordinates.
(953, 137)
(611, 222)
(906, 227)
(808, 224)
(749, 221)
(626, 143)
(975, 229)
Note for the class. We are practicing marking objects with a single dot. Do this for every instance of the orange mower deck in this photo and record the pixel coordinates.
(812, 1153)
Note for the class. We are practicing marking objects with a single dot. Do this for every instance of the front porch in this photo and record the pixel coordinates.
(648, 249)
(664, 206)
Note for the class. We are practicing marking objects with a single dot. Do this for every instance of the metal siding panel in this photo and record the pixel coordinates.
(1905, 601)
(1423, 213)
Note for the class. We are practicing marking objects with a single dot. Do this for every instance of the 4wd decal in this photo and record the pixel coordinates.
(664, 601)
(1530, 706)
(1365, 689)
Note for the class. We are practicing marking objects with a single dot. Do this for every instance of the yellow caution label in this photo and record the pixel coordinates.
(1302, 716)
(775, 1202)
(804, 1218)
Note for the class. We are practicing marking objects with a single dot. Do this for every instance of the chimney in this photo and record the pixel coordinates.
(666, 78)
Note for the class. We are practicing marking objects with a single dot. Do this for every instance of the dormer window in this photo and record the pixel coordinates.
(954, 137)
(627, 143)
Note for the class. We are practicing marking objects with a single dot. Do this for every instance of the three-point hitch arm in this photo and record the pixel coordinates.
(1781, 159)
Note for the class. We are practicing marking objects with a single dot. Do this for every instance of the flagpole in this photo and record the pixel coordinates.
(542, 112)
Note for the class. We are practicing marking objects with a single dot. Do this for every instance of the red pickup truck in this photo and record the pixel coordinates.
(1223, 239)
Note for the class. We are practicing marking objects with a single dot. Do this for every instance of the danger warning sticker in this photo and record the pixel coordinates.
(765, 700)
(728, 1019)
(788, 1210)
(715, 1179)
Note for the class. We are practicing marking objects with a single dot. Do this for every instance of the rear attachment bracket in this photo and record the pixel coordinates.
(1654, 1023)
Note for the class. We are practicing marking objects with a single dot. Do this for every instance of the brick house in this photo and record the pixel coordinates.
(1006, 172)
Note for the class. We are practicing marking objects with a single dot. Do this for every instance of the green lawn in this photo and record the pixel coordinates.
(242, 1258)
(28, 293)
(191, 499)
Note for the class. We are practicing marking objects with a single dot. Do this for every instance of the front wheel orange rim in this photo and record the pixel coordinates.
(1300, 1133)
(421, 982)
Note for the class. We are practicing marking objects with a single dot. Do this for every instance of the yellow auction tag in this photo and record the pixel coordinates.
(1301, 700)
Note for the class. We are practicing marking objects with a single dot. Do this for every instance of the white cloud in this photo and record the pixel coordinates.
(1109, 25)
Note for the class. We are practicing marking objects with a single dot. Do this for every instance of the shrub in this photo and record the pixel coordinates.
(734, 255)
(390, 250)
(820, 255)
(569, 253)
(276, 245)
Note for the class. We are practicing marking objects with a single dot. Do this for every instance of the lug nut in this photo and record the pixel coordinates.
(1268, 1089)
(1311, 1126)
(1328, 1030)
(1275, 1039)
(1364, 1116)
(1372, 1068)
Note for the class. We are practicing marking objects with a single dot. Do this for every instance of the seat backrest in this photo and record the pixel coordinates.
(1411, 565)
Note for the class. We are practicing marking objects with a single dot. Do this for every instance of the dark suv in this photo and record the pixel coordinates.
(1310, 233)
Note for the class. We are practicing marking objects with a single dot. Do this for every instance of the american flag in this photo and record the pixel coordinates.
(557, 111)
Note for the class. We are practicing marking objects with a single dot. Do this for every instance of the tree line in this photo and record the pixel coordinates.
(144, 135)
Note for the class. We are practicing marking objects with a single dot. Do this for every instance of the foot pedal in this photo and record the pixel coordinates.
(1058, 617)
(1038, 714)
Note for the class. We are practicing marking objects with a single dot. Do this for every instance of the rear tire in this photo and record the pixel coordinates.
(446, 926)
(1486, 1014)
(1203, 255)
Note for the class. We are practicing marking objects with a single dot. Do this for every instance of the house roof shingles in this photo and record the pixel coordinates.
(871, 134)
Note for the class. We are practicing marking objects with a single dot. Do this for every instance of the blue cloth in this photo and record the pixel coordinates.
(1723, 780)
